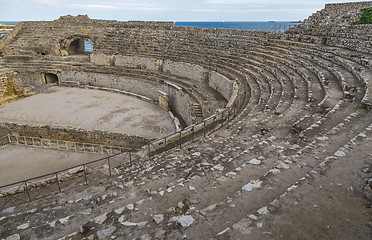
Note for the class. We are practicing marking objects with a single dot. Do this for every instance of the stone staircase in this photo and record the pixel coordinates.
(198, 112)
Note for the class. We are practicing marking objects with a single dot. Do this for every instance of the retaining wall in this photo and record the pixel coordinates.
(73, 134)
(178, 101)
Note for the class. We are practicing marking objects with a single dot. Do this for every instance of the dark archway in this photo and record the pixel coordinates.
(50, 78)
(76, 47)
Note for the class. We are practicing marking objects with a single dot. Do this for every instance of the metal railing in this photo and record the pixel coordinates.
(4, 140)
(281, 28)
(59, 181)
(64, 145)
(192, 132)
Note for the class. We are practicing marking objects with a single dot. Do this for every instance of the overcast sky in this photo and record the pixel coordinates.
(163, 10)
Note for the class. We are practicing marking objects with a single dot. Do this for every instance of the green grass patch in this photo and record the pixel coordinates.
(366, 17)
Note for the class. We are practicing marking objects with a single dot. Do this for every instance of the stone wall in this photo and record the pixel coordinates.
(179, 102)
(221, 83)
(137, 62)
(185, 70)
(73, 134)
(181, 69)
(189, 73)
(139, 86)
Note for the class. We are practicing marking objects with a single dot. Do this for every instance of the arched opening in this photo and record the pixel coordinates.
(50, 78)
(3, 35)
(76, 47)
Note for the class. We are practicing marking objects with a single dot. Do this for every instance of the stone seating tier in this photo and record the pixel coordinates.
(304, 105)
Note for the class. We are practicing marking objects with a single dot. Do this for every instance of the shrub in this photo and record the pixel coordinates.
(366, 17)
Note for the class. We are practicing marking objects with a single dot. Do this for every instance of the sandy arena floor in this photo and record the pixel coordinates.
(92, 110)
(22, 162)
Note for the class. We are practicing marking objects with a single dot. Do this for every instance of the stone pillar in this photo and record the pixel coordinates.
(163, 100)
(205, 108)
(159, 65)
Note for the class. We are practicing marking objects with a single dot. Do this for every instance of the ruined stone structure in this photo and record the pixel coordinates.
(11, 88)
(293, 155)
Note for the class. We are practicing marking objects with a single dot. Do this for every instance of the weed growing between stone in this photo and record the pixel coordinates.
(366, 17)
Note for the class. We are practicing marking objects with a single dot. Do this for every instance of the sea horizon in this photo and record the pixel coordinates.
(270, 25)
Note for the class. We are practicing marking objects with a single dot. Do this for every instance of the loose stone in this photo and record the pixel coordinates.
(130, 207)
(103, 234)
(254, 161)
(263, 211)
(9, 210)
(219, 167)
(243, 226)
(158, 218)
(63, 220)
(13, 237)
(119, 210)
(283, 165)
(129, 224)
(251, 185)
(223, 232)
(340, 154)
(100, 219)
(211, 207)
(23, 226)
(186, 220)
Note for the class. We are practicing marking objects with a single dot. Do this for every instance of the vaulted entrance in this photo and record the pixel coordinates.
(79, 46)
(50, 78)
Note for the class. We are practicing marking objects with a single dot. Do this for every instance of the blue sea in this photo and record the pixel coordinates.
(256, 26)
(10, 22)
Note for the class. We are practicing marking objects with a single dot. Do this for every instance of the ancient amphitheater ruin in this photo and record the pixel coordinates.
(165, 132)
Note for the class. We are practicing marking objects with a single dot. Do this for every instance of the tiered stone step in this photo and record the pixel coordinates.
(343, 162)
(346, 78)
(229, 203)
(333, 26)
